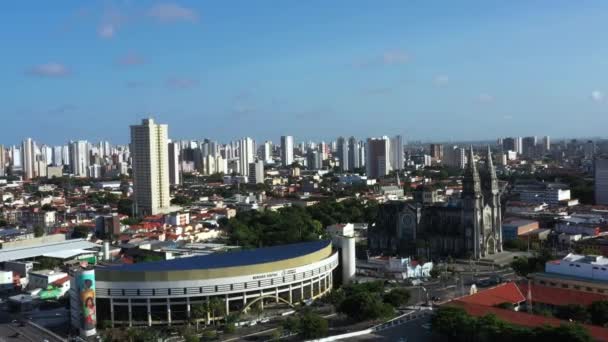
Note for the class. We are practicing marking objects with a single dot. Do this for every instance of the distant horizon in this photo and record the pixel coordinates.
(428, 70)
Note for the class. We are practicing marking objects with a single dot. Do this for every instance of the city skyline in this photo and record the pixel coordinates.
(497, 70)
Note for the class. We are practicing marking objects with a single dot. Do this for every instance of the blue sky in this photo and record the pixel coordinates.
(313, 69)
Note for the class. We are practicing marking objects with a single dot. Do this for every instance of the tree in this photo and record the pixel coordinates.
(181, 200)
(573, 312)
(505, 305)
(81, 232)
(362, 305)
(397, 297)
(125, 206)
(599, 312)
(291, 325)
(312, 325)
(38, 231)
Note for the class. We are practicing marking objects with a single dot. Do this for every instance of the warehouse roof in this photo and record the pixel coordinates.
(19, 253)
(229, 259)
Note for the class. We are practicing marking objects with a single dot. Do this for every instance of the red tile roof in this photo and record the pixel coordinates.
(61, 281)
(558, 296)
(525, 319)
(507, 292)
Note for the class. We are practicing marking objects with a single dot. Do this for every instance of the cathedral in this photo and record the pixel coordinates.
(471, 227)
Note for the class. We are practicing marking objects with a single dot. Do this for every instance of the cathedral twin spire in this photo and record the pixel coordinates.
(472, 181)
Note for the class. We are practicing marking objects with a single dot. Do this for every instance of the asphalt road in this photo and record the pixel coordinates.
(15, 332)
(416, 330)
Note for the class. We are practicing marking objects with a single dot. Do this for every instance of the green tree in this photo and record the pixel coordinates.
(38, 231)
(125, 206)
(362, 305)
(81, 232)
(312, 325)
(599, 312)
(397, 297)
(573, 312)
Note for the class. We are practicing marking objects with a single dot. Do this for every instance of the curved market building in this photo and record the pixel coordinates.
(165, 292)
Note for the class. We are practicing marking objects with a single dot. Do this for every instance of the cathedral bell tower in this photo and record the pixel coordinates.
(492, 198)
(472, 205)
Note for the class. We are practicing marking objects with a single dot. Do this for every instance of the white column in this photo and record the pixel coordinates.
(227, 306)
(276, 294)
(188, 311)
(130, 315)
(112, 311)
(290, 296)
(168, 311)
(149, 312)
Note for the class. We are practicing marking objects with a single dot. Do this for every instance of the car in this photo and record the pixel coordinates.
(426, 326)
(435, 298)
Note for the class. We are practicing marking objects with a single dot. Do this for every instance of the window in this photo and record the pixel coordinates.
(578, 265)
(542, 282)
(565, 286)
(576, 287)
(589, 289)
(596, 268)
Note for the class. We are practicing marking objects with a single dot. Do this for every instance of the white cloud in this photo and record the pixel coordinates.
(389, 57)
(485, 98)
(597, 96)
(131, 59)
(111, 20)
(51, 69)
(441, 80)
(106, 31)
(170, 12)
(181, 82)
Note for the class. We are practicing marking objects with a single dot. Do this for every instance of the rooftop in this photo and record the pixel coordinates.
(18, 253)
(586, 259)
(559, 296)
(228, 259)
(507, 292)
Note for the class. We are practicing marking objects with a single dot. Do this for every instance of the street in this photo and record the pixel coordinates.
(416, 330)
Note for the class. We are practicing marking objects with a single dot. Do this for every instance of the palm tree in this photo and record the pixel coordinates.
(200, 311)
(216, 307)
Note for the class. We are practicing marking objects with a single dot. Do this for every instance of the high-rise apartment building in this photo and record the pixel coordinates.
(256, 172)
(267, 152)
(342, 153)
(246, 150)
(455, 157)
(396, 149)
(175, 174)
(28, 159)
(437, 151)
(286, 150)
(601, 181)
(354, 156)
(149, 153)
(2, 161)
(378, 157)
(546, 143)
(529, 147)
(79, 158)
(589, 149)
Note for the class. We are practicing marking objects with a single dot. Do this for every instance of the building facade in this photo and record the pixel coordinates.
(287, 150)
(470, 228)
(149, 152)
(166, 292)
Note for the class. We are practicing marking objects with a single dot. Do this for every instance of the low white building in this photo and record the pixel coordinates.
(583, 266)
(42, 279)
(341, 229)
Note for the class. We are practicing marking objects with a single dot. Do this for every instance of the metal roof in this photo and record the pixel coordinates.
(27, 252)
(228, 259)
